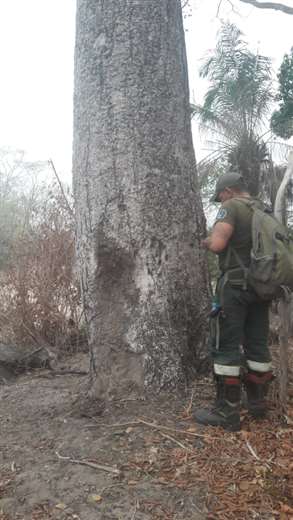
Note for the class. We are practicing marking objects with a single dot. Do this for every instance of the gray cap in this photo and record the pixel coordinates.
(227, 180)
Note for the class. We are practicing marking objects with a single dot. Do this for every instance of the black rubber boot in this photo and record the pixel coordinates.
(257, 385)
(225, 412)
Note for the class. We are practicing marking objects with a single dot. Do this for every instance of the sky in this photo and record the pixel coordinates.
(36, 58)
(36, 87)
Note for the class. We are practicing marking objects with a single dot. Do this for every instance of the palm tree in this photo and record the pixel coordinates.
(237, 103)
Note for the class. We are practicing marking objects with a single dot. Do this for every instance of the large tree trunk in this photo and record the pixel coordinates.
(138, 207)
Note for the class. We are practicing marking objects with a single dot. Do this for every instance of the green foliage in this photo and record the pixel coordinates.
(241, 87)
(237, 103)
(282, 119)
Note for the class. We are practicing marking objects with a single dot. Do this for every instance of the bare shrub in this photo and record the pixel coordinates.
(39, 293)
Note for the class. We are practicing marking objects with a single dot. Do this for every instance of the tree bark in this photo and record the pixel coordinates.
(284, 304)
(139, 214)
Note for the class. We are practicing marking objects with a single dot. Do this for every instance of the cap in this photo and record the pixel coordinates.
(227, 180)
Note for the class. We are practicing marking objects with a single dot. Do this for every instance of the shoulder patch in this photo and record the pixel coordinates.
(222, 213)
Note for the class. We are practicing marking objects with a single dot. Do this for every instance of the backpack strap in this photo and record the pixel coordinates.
(231, 251)
(248, 203)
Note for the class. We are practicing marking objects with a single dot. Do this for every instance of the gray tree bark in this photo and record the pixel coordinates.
(284, 304)
(138, 208)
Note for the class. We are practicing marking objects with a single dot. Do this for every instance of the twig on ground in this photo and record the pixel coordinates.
(252, 451)
(174, 430)
(155, 426)
(120, 425)
(135, 510)
(176, 442)
(102, 467)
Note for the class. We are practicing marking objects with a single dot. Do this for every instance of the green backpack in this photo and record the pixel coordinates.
(271, 267)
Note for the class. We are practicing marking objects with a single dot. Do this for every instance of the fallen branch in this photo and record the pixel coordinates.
(102, 467)
(155, 426)
(174, 430)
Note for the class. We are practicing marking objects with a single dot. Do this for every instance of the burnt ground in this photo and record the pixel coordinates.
(139, 460)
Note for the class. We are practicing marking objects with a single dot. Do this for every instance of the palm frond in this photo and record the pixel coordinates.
(237, 101)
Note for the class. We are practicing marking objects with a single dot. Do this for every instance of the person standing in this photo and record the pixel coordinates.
(239, 318)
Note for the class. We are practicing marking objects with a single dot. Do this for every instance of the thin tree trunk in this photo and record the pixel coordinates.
(138, 208)
(284, 305)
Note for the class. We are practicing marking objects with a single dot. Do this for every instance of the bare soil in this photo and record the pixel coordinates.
(137, 460)
(39, 427)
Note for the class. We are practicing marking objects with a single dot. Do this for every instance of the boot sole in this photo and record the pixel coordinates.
(257, 412)
(257, 415)
(234, 427)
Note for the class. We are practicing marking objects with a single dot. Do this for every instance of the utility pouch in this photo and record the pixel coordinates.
(237, 277)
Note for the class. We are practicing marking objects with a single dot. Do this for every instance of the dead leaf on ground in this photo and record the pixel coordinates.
(95, 498)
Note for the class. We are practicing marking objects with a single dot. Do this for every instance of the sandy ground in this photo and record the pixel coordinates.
(38, 428)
